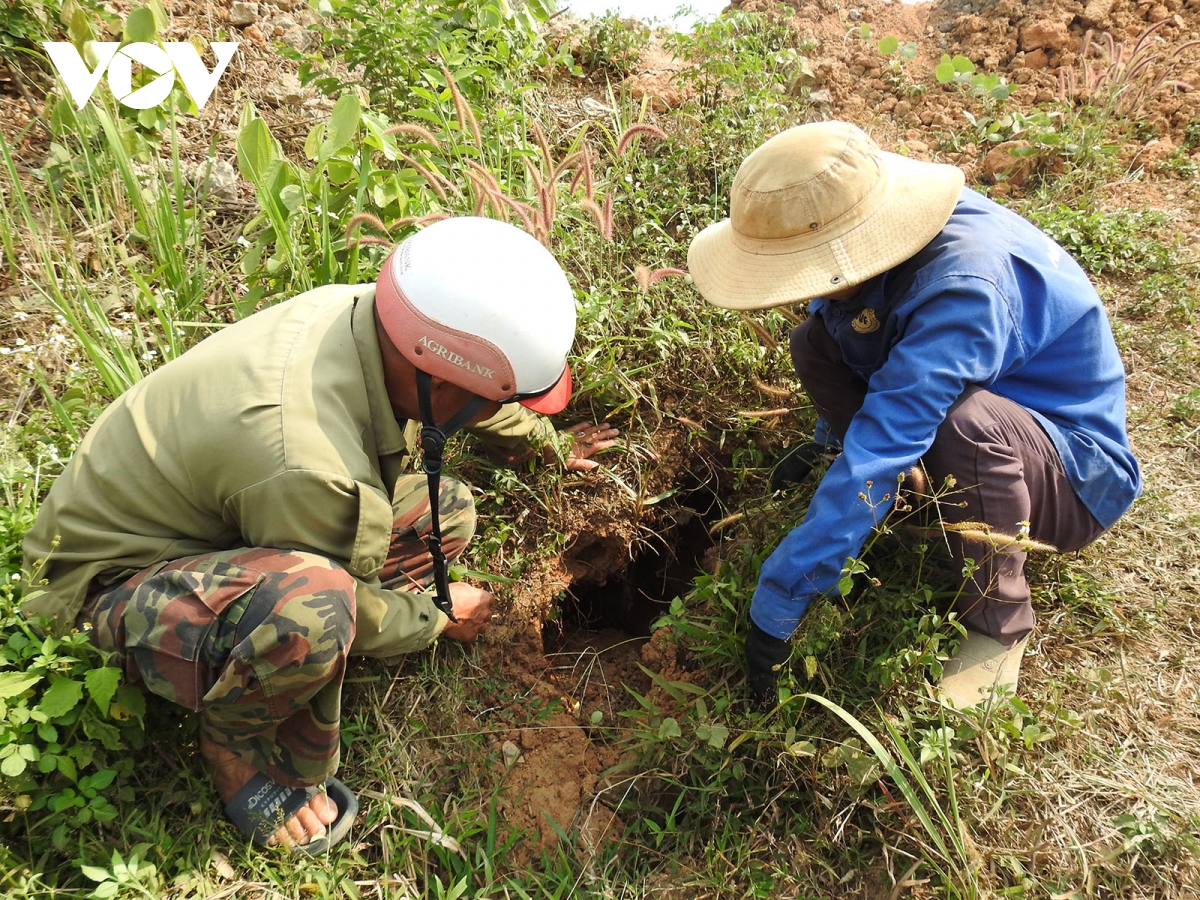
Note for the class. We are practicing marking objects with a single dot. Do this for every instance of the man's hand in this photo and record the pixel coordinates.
(586, 440)
(763, 654)
(473, 609)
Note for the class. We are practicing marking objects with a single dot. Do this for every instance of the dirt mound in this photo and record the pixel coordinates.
(1041, 47)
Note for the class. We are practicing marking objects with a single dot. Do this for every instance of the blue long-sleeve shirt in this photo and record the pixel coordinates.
(991, 301)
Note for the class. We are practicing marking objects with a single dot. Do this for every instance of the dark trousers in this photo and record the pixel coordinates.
(1006, 469)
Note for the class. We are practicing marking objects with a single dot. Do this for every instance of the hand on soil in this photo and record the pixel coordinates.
(230, 773)
(473, 609)
(586, 440)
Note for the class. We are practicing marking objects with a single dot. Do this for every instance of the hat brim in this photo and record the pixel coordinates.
(759, 275)
(554, 400)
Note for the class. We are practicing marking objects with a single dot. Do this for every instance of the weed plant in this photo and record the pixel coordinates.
(611, 45)
(852, 782)
(493, 47)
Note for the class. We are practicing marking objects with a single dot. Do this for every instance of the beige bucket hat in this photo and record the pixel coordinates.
(816, 209)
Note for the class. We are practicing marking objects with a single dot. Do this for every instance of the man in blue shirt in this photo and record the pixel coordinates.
(948, 331)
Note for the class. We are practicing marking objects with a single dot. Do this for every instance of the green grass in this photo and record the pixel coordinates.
(856, 784)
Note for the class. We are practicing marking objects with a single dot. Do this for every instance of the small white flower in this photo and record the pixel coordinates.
(19, 342)
(242, 242)
(150, 354)
(20, 317)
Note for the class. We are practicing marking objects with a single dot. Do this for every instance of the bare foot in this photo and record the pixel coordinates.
(230, 774)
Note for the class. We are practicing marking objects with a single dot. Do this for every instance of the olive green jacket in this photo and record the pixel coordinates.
(274, 432)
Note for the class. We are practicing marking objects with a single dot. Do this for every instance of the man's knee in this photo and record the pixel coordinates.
(968, 423)
(312, 598)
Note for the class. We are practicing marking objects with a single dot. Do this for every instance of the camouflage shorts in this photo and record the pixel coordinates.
(256, 639)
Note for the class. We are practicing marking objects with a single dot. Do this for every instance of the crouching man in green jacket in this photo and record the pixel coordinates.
(238, 522)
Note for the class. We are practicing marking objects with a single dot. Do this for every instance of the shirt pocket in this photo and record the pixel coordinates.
(177, 633)
(373, 534)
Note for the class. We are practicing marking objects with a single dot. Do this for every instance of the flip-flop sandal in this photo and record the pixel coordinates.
(263, 805)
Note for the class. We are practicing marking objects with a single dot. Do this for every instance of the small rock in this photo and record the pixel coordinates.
(1096, 12)
(219, 180)
(594, 107)
(1157, 13)
(661, 90)
(1049, 36)
(254, 34)
(917, 146)
(1036, 59)
(286, 90)
(243, 13)
(1001, 167)
(298, 38)
(821, 96)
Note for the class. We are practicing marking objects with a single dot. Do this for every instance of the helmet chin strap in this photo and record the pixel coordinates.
(433, 443)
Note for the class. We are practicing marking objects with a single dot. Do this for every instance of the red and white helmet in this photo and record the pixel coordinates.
(483, 305)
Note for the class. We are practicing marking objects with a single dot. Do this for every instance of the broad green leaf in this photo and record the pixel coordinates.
(106, 890)
(62, 696)
(161, 19)
(140, 26)
(66, 766)
(291, 196)
(717, 735)
(802, 748)
(130, 703)
(343, 125)
(13, 765)
(908, 50)
(79, 28)
(13, 684)
(669, 728)
(102, 779)
(256, 150)
(106, 734)
(964, 65)
(944, 71)
(339, 171)
(101, 685)
(889, 45)
(312, 143)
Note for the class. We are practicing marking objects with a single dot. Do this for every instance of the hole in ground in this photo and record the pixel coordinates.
(612, 593)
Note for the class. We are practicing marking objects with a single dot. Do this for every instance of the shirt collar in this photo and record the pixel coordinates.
(389, 438)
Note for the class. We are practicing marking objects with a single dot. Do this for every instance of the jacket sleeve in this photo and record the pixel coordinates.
(954, 334)
(513, 427)
(350, 523)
